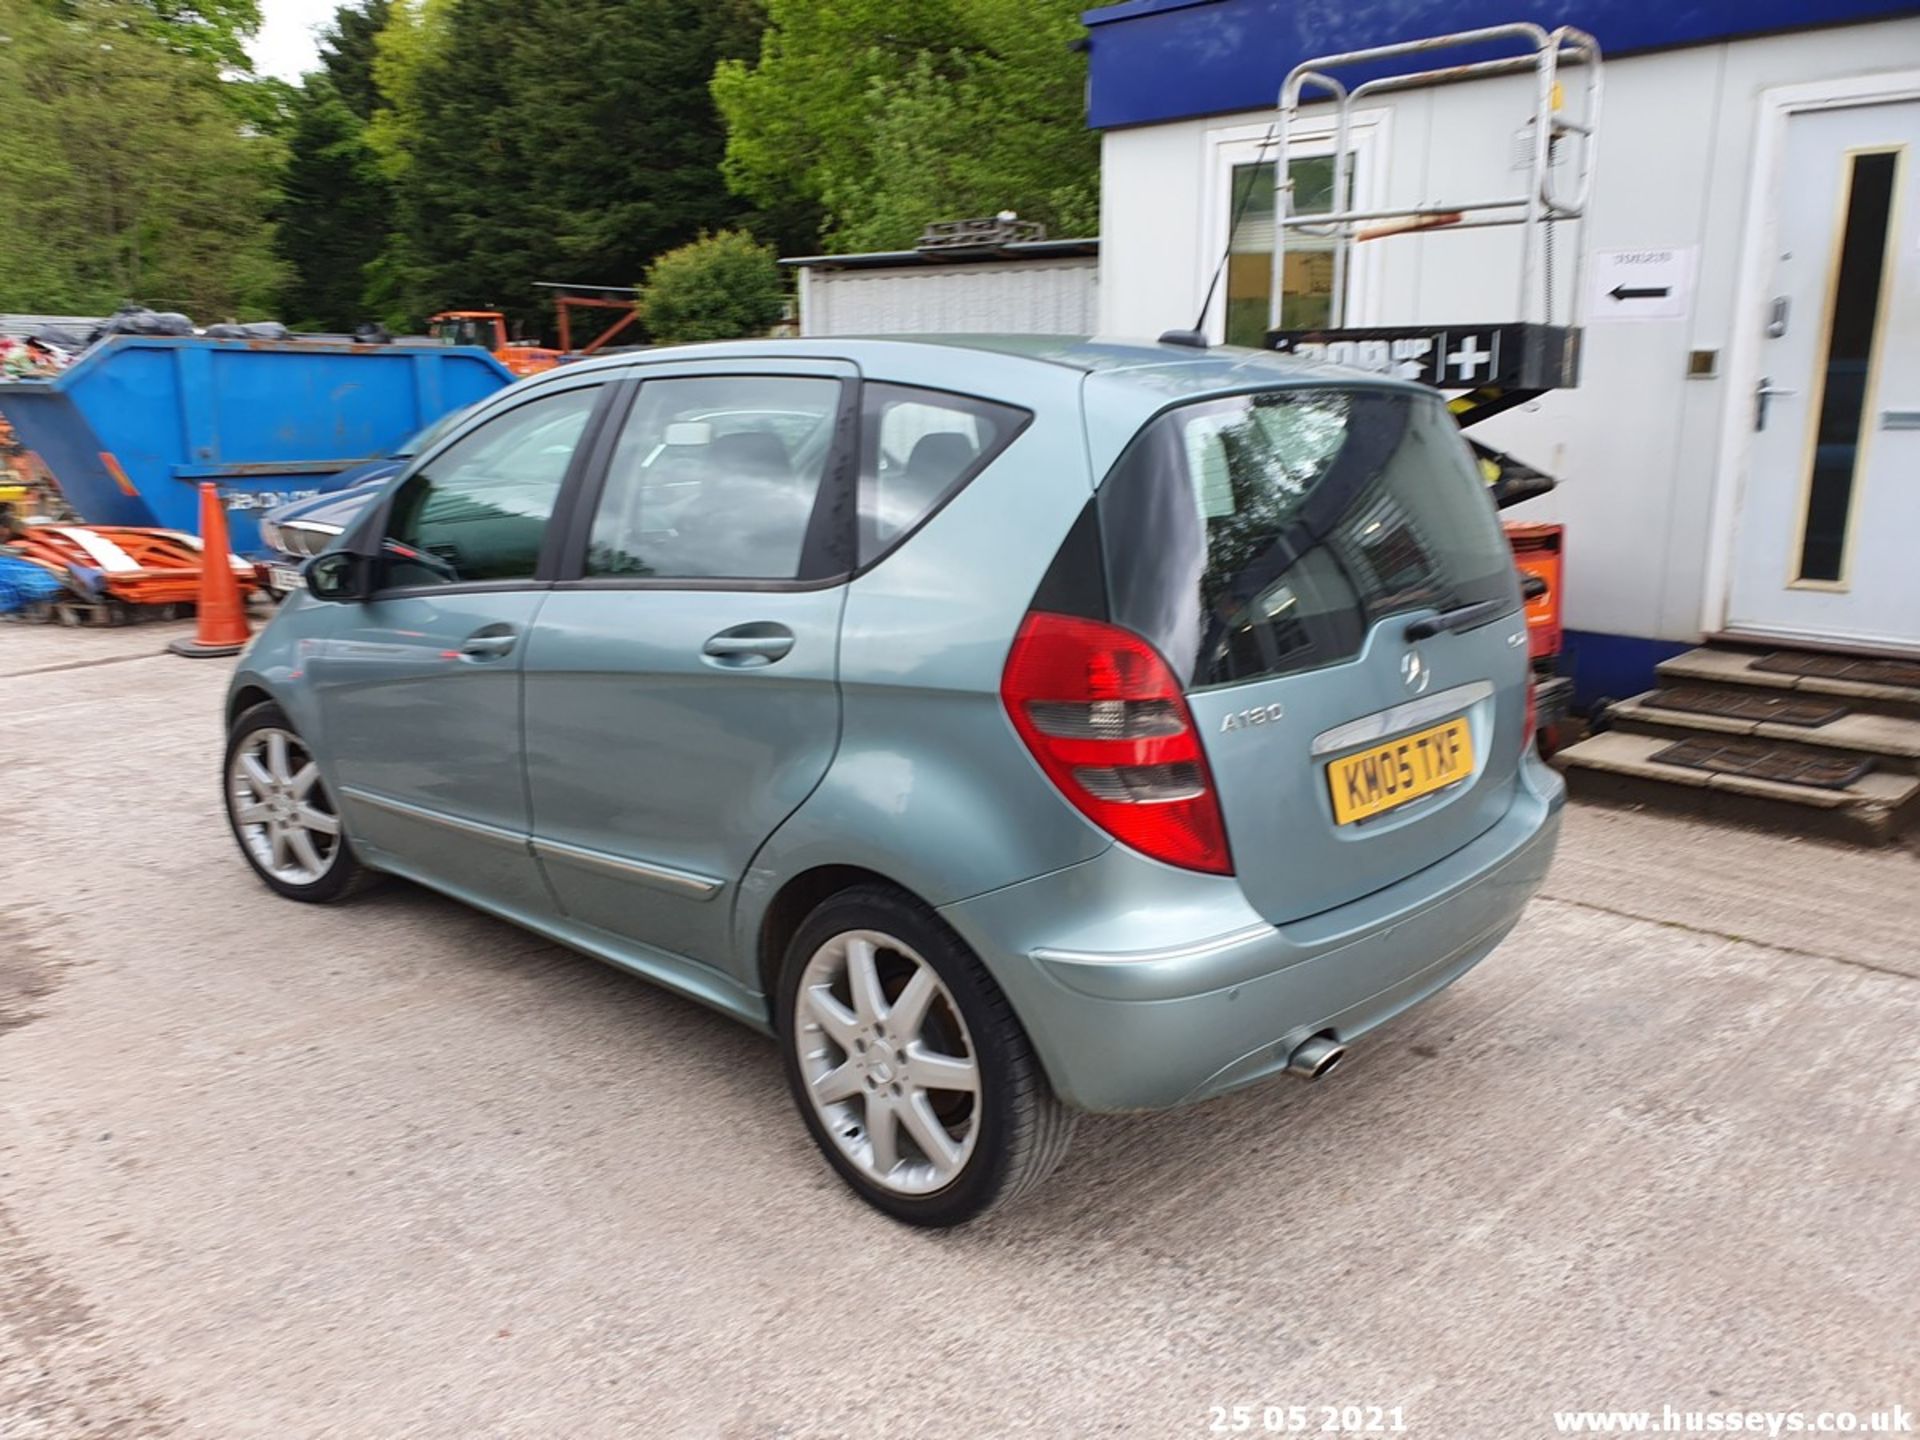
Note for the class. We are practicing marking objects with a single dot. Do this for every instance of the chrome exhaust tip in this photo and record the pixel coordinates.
(1315, 1057)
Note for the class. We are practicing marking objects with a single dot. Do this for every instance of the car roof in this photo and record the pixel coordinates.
(1123, 383)
(1228, 364)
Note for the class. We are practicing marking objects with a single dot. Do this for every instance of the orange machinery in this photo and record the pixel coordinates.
(1539, 552)
(488, 328)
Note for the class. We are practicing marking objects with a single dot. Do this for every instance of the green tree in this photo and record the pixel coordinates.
(336, 205)
(349, 50)
(211, 30)
(719, 287)
(408, 43)
(214, 33)
(124, 173)
(408, 46)
(888, 114)
(264, 103)
(565, 140)
(334, 214)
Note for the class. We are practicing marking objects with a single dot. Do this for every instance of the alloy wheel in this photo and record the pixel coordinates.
(281, 809)
(887, 1062)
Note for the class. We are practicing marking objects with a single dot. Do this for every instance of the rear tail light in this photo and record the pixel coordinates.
(1107, 722)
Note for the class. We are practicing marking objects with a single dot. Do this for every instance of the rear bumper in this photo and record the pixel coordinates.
(1143, 987)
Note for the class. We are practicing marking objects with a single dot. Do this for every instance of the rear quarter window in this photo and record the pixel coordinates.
(1265, 534)
(918, 448)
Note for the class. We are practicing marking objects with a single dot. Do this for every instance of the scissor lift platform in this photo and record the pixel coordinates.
(1496, 364)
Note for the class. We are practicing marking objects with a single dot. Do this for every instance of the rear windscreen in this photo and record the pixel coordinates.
(1260, 535)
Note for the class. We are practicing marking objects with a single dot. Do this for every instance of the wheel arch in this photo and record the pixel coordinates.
(243, 699)
(797, 898)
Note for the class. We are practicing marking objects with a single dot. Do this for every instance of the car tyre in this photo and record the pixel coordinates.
(956, 1154)
(282, 814)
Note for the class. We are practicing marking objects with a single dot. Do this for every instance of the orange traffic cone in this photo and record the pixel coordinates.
(223, 619)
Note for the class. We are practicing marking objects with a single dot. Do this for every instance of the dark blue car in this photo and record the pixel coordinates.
(297, 532)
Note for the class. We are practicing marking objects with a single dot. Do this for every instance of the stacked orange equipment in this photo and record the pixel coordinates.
(222, 628)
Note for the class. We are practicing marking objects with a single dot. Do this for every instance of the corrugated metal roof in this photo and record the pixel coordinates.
(1016, 250)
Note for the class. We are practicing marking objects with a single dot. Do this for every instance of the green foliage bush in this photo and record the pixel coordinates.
(720, 287)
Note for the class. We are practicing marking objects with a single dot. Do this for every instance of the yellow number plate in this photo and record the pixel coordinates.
(1376, 780)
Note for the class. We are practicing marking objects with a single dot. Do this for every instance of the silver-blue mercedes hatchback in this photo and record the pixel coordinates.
(1010, 727)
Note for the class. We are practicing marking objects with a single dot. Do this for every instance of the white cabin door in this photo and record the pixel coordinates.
(1828, 542)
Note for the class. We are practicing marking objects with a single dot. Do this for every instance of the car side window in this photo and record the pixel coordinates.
(479, 509)
(715, 477)
(918, 447)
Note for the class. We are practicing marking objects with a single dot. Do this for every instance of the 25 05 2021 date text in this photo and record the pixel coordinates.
(1306, 1419)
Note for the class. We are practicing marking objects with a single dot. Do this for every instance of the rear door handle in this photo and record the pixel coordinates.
(760, 642)
(1465, 617)
(489, 644)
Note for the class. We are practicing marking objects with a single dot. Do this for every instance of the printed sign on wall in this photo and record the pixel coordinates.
(1647, 284)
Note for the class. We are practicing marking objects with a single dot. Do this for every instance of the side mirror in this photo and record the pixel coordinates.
(339, 575)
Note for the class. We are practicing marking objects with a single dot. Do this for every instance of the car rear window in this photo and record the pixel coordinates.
(1265, 534)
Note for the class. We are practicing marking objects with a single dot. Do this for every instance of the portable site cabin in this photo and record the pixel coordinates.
(1741, 455)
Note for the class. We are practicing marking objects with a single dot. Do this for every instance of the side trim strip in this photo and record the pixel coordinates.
(511, 839)
(1401, 717)
(683, 882)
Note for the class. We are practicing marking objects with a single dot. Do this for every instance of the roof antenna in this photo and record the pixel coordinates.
(1196, 338)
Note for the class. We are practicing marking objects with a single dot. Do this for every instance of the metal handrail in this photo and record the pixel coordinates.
(1539, 204)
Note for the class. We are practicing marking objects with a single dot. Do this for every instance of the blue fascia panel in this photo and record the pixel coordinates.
(1603, 666)
(1156, 60)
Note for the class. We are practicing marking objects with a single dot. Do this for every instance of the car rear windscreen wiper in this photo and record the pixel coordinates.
(1463, 618)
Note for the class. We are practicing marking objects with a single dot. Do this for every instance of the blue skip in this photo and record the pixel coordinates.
(132, 427)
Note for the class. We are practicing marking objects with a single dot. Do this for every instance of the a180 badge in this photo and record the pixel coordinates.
(1258, 715)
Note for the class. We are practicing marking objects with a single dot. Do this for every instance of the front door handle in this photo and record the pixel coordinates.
(489, 644)
(760, 642)
(1762, 393)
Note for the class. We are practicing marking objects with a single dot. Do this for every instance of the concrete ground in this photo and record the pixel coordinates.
(395, 1169)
